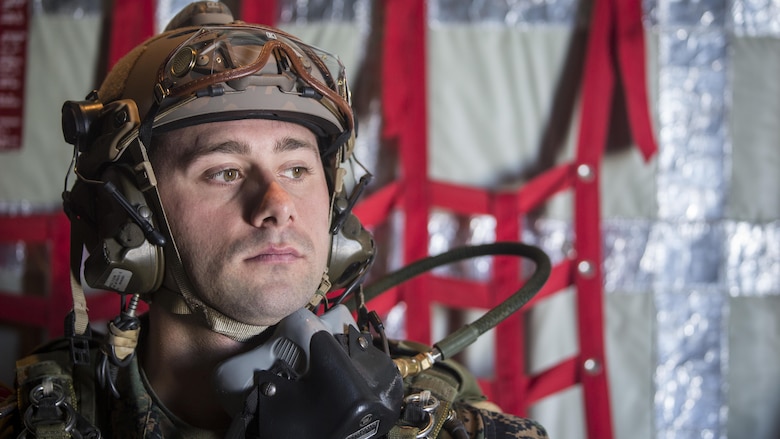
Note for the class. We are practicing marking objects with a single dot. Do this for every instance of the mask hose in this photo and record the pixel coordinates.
(466, 335)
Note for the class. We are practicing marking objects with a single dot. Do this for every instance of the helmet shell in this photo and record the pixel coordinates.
(247, 71)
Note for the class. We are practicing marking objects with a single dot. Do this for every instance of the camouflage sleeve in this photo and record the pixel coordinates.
(8, 418)
(486, 424)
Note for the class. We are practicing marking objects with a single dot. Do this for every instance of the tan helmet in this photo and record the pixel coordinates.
(205, 67)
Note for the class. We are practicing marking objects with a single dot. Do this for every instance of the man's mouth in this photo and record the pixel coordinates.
(276, 254)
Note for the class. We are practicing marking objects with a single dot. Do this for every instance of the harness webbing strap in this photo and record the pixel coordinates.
(81, 318)
(77, 325)
(438, 384)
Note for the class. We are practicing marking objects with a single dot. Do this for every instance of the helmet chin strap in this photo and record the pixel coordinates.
(178, 303)
(184, 302)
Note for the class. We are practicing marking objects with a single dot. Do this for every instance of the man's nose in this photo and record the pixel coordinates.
(273, 207)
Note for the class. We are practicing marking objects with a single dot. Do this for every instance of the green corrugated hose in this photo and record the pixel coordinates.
(460, 339)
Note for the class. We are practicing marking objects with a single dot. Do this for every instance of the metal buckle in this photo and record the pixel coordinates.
(48, 407)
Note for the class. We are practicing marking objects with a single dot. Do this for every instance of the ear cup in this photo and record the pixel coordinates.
(352, 252)
(122, 259)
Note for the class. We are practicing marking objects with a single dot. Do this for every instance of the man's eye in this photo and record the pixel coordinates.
(227, 175)
(297, 172)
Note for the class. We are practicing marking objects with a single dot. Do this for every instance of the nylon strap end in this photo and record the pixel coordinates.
(77, 328)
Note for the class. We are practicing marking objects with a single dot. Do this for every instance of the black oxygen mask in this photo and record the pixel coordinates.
(314, 377)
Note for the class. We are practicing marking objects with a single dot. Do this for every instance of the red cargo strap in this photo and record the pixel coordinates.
(259, 11)
(131, 24)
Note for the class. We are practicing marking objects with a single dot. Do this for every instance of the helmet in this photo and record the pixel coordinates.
(204, 67)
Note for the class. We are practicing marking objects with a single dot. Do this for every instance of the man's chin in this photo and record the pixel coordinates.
(269, 311)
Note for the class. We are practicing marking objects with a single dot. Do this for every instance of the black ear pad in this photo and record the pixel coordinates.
(121, 258)
(351, 254)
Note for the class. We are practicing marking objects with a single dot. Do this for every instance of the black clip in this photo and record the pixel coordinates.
(79, 343)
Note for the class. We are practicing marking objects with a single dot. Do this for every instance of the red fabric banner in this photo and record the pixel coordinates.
(14, 23)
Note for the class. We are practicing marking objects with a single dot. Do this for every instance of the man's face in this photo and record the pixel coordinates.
(248, 206)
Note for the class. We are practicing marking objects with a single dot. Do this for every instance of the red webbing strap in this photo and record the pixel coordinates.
(376, 208)
(463, 200)
(510, 369)
(131, 24)
(40, 308)
(510, 360)
(385, 302)
(617, 21)
(259, 11)
(631, 61)
(597, 87)
(559, 377)
(404, 118)
(566, 373)
(544, 186)
(25, 308)
(460, 293)
(560, 278)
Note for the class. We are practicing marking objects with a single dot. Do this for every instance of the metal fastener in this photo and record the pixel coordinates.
(585, 172)
(268, 389)
(592, 366)
(586, 268)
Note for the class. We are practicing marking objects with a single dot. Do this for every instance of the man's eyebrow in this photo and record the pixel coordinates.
(292, 143)
(228, 147)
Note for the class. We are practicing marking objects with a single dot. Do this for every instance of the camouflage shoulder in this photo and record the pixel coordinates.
(488, 424)
(49, 364)
(9, 421)
(508, 426)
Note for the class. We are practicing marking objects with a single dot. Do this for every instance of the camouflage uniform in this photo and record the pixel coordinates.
(137, 413)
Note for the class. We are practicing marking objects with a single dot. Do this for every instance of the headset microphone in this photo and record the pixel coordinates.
(344, 211)
(151, 234)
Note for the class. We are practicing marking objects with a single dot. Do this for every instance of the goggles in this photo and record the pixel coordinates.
(249, 55)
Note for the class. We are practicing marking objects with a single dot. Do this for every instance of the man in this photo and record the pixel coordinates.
(210, 183)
